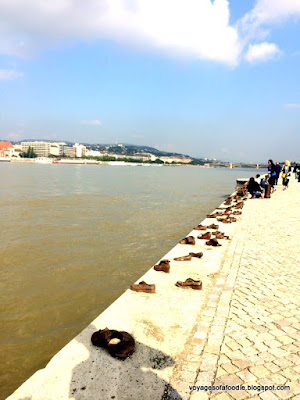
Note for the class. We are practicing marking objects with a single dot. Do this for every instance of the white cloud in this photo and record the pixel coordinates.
(9, 74)
(292, 105)
(93, 122)
(261, 52)
(270, 11)
(193, 28)
(196, 28)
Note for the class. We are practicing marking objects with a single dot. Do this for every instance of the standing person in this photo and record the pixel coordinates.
(271, 173)
(278, 170)
(286, 173)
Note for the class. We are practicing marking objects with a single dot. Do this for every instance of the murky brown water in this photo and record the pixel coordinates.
(74, 237)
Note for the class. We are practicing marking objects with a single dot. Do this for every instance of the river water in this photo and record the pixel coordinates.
(74, 237)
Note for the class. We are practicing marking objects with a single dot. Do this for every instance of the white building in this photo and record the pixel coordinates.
(79, 150)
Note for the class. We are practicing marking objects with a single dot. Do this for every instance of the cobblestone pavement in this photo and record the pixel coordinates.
(249, 332)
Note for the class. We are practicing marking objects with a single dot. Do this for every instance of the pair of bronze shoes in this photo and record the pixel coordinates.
(188, 240)
(206, 235)
(189, 256)
(143, 287)
(213, 242)
(237, 212)
(190, 283)
(163, 265)
(118, 344)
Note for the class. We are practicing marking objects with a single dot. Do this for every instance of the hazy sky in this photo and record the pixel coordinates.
(217, 79)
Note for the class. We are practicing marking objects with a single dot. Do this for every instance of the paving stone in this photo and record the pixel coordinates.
(268, 395)
(260, 371)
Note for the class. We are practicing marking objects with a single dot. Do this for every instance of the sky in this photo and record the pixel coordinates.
(216, 79)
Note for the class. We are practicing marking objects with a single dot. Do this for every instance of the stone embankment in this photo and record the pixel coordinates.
(243, 328)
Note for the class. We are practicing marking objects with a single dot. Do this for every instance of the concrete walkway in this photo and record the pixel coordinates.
(242, 329)
(249, 331)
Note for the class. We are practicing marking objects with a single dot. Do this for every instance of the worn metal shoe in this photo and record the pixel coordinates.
(143, 287)
(213, 242)
(119, 344)
(213, 226)
(197, 255)
(206, 235)
(183, 258)
(188, 240)
(190, 283)
(200, 227)
(163, 265)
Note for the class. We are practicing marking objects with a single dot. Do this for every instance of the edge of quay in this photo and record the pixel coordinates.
(166, 325)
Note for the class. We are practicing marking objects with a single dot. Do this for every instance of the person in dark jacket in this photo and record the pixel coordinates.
(278, 170)
(254, 189)
(271, 173)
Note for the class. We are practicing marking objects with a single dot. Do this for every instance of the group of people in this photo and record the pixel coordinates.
(256, 186)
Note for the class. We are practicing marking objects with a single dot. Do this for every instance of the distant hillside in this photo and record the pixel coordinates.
(122, 149)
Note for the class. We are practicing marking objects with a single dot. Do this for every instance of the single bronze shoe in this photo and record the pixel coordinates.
(211, 216)
(213, 242)
(101, 337)
(239, 205)
(197, 255)
(123, 348)
(163, 265)
(206, 235)
(188, 240)
(143, 287)
(119, 344)
(221, 235)
(226, 221)
(237, 212)
(213, 226)
(200, 227)
(232, 219)
(183, 258)
(190, 283)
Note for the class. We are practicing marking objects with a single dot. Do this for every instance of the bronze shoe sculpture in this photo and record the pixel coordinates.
(213, 242)
(119, 344)
(143, 287)
(211, 216)
(206, 235)
(239, 205)
(197, 255)
(220, 235)
(183, 258)
(163, 265)
(188, 240)
(213, 226)
(200, 227)
(237, 212)
(190, 283)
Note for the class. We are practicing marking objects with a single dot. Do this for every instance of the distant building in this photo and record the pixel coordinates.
(176, 159)
(79, 150)
(69, 151)
(6, 149)
(57, 149)
(93, 153)
(41, 149)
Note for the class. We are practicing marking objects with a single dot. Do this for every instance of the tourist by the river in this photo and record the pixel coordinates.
(286, 173)
(296, 170)
(254, 189)
(271, 173)
(278, 170)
